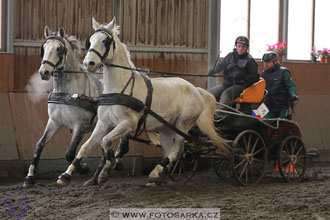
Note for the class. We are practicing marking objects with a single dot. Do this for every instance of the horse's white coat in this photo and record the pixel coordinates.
(77, 119)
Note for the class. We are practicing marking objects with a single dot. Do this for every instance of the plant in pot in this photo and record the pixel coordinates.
(279, 48)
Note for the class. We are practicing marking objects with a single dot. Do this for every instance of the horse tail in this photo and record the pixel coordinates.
(205, 121)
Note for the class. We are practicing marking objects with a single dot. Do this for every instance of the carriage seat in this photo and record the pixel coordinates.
(253, 94)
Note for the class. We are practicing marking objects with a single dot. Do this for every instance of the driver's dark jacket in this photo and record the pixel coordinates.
(238, 69)
(280, 87)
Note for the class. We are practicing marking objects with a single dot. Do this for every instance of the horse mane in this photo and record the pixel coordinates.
(74, 42)
(115, 32)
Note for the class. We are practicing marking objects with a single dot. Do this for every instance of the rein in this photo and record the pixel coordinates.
(165, 74)
(84, 72)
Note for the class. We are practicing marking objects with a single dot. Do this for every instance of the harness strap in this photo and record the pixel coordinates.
(142, 120)
(128, 82)
(97, 53)
(81, 101)
(187, 137)
(121, 99)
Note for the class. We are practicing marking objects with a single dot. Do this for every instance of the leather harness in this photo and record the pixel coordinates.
(81, 101)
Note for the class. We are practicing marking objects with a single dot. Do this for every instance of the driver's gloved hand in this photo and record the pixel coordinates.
(293, 100)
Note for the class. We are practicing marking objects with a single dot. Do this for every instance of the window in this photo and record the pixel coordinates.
(300, 29)
(322, 30)
(2, 25)
(264, 25)
(257, 19)
(260, 21)
(233, 23)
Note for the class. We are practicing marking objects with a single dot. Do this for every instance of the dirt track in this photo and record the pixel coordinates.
(272, 199)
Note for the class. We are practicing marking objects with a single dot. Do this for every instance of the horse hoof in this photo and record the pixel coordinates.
(91, 182)
(119, 165)
(82, 169)
(151, 184)
(64, 179)
(156, 181)
(29, 181)
(102, 179)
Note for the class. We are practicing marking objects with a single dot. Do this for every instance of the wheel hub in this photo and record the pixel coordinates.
(293, 159)
(249, 158)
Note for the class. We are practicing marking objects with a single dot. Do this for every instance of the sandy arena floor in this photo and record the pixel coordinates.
(271, 199)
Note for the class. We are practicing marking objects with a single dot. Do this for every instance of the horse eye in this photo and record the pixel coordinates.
(58, 49)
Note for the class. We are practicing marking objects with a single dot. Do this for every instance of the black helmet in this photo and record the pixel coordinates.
(242, 39)
(270, 56)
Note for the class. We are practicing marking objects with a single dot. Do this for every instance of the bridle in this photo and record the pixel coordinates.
(61, 52)
(107, 43)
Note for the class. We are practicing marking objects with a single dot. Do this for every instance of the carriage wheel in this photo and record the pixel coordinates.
(249, 158)
(184, 168)
(292, 159)
(222, 167)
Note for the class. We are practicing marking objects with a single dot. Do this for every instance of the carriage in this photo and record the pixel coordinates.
(257, 144)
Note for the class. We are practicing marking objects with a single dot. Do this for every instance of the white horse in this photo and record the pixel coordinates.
(73, 100)
(174, 99)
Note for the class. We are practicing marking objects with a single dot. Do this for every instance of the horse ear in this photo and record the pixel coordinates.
(111, 24)
(46, 31)
(95, 24)
(61, 32)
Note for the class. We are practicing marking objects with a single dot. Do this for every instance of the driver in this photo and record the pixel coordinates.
(240, 70)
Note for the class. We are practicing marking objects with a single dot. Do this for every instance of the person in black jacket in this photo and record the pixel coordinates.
(282, 91)
(240, 70)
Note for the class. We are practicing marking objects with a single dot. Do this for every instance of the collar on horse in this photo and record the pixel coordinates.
(78, 100)
(61, 53)
(130, 101)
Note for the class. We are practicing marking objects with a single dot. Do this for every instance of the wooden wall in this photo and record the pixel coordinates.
(164, 23)
(74, 15)
(152, 23)
(6, 72)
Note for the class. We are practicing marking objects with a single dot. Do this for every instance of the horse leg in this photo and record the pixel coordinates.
(122, 149)
(107, 165)
(50, 131)
(97, 135)
(118, 132)
(172, 144)
(94, 179)
(70, 153)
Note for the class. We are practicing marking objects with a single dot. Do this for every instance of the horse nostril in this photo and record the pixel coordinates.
(91, 63)
(46, 73)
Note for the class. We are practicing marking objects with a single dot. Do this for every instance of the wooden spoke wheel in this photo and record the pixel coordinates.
(292, 159)
(184, 168)
(249, 158)
(222, 167)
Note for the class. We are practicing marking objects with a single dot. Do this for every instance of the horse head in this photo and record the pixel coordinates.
(101, 45)
(53, 52)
